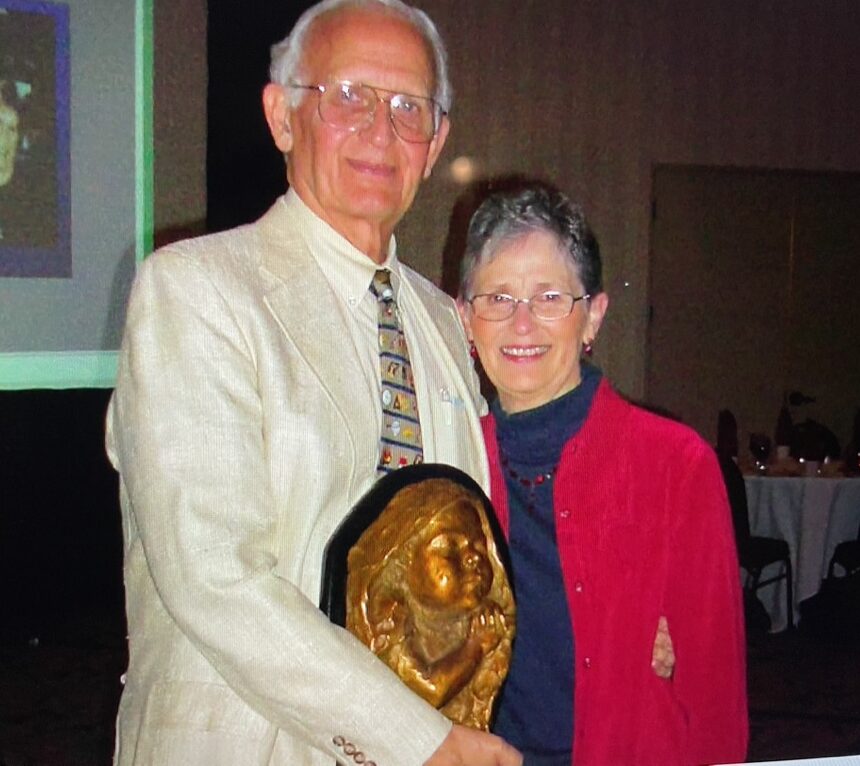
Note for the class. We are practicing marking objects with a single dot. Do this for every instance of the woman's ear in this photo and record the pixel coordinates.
(463, 309)
(597, 306)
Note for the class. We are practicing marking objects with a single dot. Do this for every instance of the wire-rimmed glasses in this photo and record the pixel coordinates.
(549, 304)
(352, 106)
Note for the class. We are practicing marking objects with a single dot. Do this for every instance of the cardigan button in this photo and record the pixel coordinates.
(579, 587)
(564, 513)
(587, 662)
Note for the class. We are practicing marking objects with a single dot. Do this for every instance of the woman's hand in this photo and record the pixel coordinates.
(663, 655)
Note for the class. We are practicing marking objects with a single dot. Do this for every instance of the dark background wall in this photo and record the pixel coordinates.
(60, 539)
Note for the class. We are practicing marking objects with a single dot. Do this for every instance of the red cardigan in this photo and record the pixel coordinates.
(644, 529)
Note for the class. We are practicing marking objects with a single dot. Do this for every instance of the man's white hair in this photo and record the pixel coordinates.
(288, 53)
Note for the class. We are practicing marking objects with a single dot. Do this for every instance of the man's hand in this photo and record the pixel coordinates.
(663, 656)
(468, 747)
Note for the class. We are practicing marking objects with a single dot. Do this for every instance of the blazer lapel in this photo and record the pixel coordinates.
(448, 327)
(298, 295)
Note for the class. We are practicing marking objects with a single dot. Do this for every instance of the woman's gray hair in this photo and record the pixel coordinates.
(531, 207)
(287, 55)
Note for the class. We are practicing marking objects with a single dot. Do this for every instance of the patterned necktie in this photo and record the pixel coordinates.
(401, 432)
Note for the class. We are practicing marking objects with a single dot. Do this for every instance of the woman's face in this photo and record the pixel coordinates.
(531, 361)
(451, 570)
(8, 141)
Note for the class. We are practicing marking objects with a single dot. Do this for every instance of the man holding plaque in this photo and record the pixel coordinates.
(268, 376)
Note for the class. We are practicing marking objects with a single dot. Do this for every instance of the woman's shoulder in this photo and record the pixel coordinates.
(654, 428)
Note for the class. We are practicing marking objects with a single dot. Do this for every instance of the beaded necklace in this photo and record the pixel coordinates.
(531, 483)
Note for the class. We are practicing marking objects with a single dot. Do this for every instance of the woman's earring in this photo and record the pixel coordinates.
(473, 352)
(587, 347)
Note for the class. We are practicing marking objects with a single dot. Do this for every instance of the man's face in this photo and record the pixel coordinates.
(363, 179)
(8, 141)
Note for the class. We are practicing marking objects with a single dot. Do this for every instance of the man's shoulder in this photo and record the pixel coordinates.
(425, 288)
(213, 247)
(230, 257)
(241, 245)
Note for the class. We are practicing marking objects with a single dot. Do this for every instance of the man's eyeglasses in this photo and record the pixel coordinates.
(551, 304)
(352, 106)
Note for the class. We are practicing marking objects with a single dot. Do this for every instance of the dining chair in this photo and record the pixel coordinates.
(847, 556)
(755, 553)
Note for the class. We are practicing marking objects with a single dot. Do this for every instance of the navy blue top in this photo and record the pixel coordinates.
(535, 712)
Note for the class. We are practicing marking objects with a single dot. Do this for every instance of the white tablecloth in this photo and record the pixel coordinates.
(813, 515)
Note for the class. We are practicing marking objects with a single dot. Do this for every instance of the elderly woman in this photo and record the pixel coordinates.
(615, 518)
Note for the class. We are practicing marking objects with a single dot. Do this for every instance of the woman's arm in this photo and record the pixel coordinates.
(704, 609)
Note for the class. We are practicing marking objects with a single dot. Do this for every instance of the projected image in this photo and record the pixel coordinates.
(34, 131)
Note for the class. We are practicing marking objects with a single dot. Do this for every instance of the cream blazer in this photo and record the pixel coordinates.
(239, 426)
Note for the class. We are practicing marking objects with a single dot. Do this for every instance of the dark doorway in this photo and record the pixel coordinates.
(244, 170)
(753, 294)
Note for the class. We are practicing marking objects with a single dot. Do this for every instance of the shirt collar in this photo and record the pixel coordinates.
(348, 270)
(537, 436)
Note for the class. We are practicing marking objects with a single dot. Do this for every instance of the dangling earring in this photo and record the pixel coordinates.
(473, 352)
(587, 347)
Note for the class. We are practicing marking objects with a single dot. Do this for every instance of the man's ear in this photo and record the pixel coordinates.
(276, 107)
(436, 145)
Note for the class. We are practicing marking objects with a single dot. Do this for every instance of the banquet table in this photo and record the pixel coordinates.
(813, 515)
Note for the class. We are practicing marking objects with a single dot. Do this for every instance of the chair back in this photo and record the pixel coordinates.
(737, 492)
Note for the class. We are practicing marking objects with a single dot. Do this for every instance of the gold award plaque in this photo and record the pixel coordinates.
(427, 591)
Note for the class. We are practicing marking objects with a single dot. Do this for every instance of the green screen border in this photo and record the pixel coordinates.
(97, 369)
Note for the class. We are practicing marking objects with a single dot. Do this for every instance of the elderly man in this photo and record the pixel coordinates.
(251, 412)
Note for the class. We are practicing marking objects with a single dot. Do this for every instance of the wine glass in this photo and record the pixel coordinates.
(760, 445)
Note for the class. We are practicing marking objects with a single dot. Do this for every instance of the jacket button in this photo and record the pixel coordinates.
(339, 741)
(350, 749)
(359, 757)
